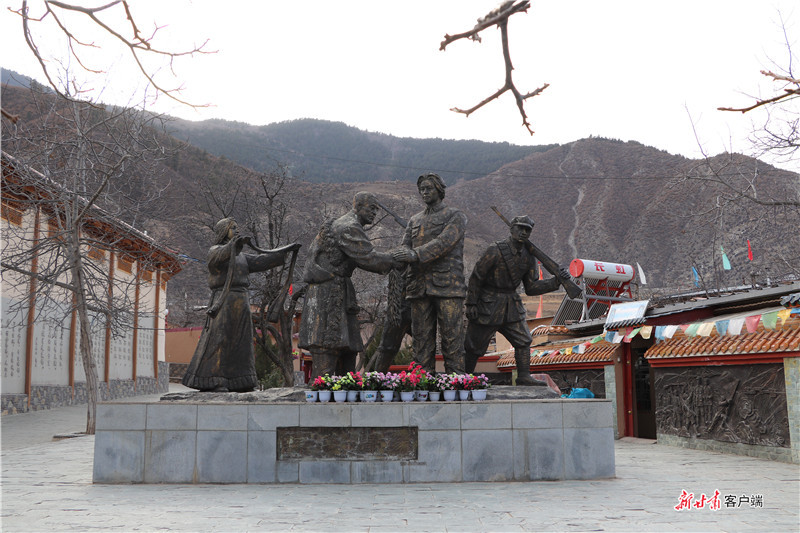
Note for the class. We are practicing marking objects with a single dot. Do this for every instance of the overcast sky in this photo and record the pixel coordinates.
(630, 70)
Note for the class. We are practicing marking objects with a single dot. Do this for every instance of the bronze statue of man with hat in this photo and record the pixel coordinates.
(493, 303)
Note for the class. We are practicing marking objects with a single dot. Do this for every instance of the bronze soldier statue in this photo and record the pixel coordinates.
(223, 360)
(433, 245)
(493, 303)
(329, 327)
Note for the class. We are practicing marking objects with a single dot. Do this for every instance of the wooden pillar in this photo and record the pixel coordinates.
(31, 310)
(155, 323)
(107, 372)
(136, 323)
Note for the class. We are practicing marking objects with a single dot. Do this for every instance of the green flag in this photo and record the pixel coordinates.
(725, 263)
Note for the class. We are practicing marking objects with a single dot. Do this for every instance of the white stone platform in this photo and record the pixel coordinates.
(457, 441)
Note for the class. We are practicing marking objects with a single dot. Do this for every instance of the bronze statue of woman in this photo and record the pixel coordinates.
(224, 360)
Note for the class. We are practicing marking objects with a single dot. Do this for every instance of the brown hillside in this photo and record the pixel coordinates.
(593, 199)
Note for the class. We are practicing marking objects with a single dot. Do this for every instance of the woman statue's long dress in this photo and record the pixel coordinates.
(224, 359)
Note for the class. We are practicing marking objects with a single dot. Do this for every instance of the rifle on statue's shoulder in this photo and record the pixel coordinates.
(573, 291)
(397, 218)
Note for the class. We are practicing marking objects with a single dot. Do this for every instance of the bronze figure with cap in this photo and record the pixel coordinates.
(493, 303)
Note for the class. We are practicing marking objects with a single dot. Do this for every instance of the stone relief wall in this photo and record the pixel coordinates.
(590, 378)
(740, 404)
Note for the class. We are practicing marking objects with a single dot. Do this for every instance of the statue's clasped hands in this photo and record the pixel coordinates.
(404, 255)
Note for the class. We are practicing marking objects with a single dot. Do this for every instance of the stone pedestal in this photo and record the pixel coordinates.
(292, 442)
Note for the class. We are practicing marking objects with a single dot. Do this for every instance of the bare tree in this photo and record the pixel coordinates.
(118, 26)
(750, 198)
(499, 17)
(88, 172)
(779, 135)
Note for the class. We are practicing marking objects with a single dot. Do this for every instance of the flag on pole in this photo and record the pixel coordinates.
(726, 264)
(696, 277)
(641, 274)
(541, 297)
(749, 251)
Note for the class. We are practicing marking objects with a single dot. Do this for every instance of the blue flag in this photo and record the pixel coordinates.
(696, 277)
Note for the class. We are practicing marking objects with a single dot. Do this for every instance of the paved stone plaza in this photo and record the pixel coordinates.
(47, 486)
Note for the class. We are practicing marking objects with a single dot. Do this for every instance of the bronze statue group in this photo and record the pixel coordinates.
(429, 268)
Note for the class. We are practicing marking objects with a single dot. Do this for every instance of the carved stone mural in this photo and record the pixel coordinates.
(590, 378)
(740, 404)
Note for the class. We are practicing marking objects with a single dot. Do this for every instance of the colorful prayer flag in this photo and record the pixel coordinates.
(541, 297)
(735, 326)
(641, 274)
(696, 277)
(632, 333)
(752, 323)
(726, 264)
(705, 329)
(749, 251)
(770, 320)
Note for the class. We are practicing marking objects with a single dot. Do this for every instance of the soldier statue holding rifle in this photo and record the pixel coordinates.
(493, 303)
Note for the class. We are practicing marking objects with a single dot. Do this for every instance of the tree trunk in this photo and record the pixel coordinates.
(89, 364)
(285, 349)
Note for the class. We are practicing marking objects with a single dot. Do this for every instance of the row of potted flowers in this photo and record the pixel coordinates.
(412, 384)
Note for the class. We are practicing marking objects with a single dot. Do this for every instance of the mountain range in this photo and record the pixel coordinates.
(595, 198)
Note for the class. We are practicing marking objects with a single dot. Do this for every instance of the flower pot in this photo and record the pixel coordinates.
(340, 395)
(311, 396)
(463, 395)
(435, 395)
(479, 395)
(387, 395)
(406, 395)
(352, 396)
(324, 396)
(369, 396)
(449, 395)
(421, 395)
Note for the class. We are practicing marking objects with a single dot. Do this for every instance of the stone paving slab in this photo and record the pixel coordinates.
(47, 487)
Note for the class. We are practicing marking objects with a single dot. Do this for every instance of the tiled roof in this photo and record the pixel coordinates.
(599, 352)
(784, 338)
(550, 330)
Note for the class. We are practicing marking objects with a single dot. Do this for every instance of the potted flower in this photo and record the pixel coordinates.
(462, 385)
(420, 379)
(434, 390)
(369, 386)
(351, 382)
(447, 384)
(478, 386)
(407, 384)
(389, 382)
(339, 392)
(321, 389)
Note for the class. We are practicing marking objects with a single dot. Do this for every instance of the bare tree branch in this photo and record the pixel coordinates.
(787, 94)
(138, 45)
(499, 17)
